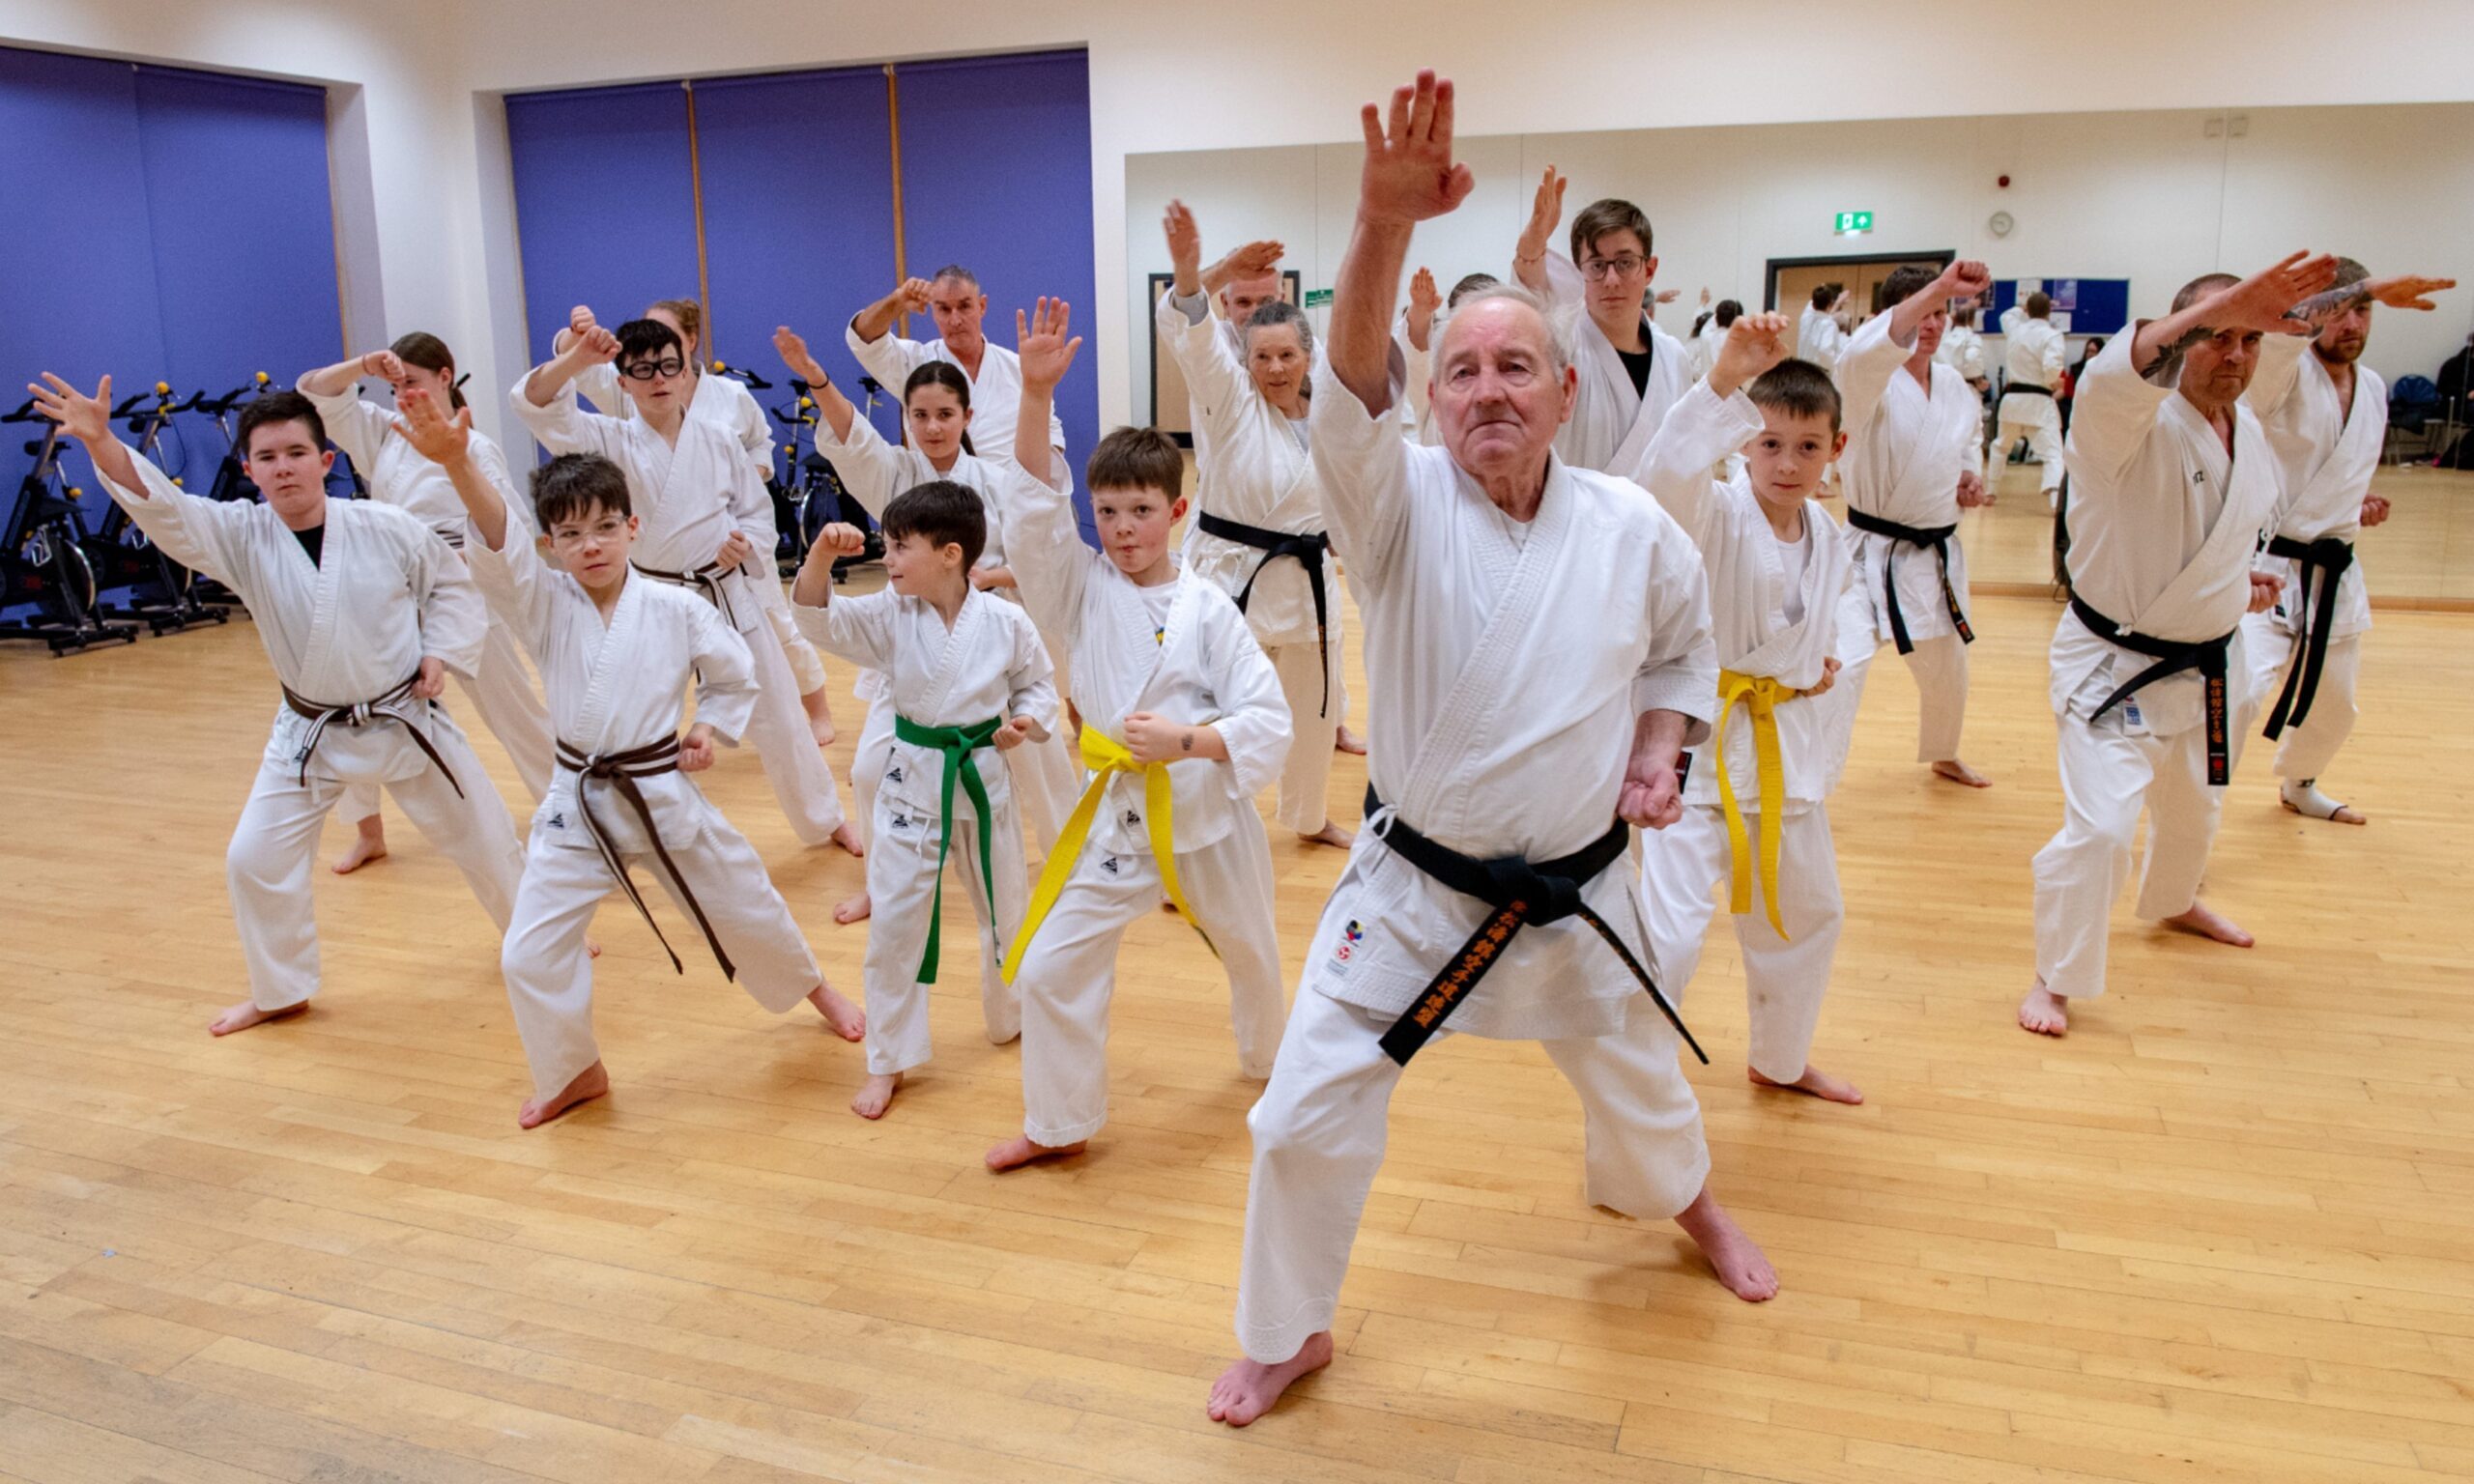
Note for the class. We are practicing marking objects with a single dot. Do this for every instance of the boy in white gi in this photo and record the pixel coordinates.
(967, 674)
(708, 526)
(1183, 725)
(1756, 796)
(2172, 485)
(363, 611)
(1910, 468)
(616, 652)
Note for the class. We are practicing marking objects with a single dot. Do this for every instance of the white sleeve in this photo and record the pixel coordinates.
(564, 426)
(355, 426)
(725, 674)
(890, 357)
(2113, 412)
(203, 536)
(1864, 371)
(871, 469)
(454, 619)
(1361, 472)
(1699, 431)
(1030, 677)
(2054, 350)
(2278, 371)
(1214, 381)
(1681, 671)
(512, 576)
(1254, 722)
(1051, 566)
(598, 385)
(857, 629)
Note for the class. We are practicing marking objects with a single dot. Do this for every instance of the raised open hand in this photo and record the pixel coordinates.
(1184, 239)
(1409, 174)
(2260, 301)
(1545, 214)
(425, 425)
(2407, 291)
(1040, 344)
(86, 419)
(793, 347)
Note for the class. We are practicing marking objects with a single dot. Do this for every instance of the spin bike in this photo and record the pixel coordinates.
(42, 560)
(813, 492)
(162, 593)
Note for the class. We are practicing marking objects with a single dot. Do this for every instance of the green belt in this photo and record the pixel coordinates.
(957, 743)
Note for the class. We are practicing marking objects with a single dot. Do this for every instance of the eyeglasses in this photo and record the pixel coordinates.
(1598, 268)
(568, 538)
(647, 370)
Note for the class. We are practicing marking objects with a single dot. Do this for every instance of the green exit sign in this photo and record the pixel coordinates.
(1851, 222)
(1317, 299)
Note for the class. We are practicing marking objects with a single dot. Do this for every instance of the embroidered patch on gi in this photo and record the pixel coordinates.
(1346, 949)
(1110, 864)
(1133, 817)
(893, 775)
(556, 821)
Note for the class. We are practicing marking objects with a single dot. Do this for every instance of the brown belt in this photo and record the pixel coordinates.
(707, 580)
(388, 707)
(620, 770)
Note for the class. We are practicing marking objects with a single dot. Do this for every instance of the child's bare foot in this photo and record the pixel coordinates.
(848, 1020)
(1819, 1083)
(2044, 1012)
(819, 710)
(1019, 1151)
(1739, 1264)
(1347, 741)
(851, 909)
(846, 835)
(368, 844)
(1249, 1389)
(242, 1016)
(2208, 922)
(1331, 835)
(588, 1084)
(1959, 772)
(876, 1094)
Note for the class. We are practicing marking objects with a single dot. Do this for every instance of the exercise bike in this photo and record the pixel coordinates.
(42, 560)
(232, 481)
(160, 592)
(814, 492)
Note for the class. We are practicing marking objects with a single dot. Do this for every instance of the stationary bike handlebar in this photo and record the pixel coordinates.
(755, 383)
(218, 406)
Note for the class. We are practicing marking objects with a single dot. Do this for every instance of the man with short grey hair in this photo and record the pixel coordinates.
(953, 298)
(1541, 638)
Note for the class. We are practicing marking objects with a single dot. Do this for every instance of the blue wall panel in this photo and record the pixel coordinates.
(604, 200)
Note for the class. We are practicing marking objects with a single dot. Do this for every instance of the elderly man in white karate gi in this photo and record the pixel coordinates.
(2173, 488)
(1483, 888)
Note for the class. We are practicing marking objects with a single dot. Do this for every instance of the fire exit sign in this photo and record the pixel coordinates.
(1849, 223)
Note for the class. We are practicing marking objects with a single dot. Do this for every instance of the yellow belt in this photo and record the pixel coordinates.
(1761, 696)
(1105, 758)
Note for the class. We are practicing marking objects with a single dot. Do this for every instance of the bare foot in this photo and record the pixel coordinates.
(1019, 1151)
(848, 1020)
(242, 1016)
(1249, 1389)
(1739, 1264)
(819, 710)
(2208, 922)
(368, 844)
(1819, 1083)
(1331, 835)
(876, 1094)
(2304, 798)
(589, 1084)
(853, 909)
(591, 949)
(848, 838)
(1959, 772)
(1347, 741)
(2044, 1012)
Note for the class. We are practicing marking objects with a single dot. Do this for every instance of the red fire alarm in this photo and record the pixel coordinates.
(2003, 182)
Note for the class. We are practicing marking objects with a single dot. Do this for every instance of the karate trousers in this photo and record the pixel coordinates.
(778, 729)
(1784, 978)
(1305, 779)
(1319, 1132)
(503, 696)
(1937, 664)
(1069, 973)
(902, 888)
(1047, 781)
(807, 667)
(2044, 441)
(2303, 752)
(272, 858)
(549, 972)
(2107, 774)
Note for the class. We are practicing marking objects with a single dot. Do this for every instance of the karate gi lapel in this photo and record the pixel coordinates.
(2251, 489)
(607, 670)
(319, 662)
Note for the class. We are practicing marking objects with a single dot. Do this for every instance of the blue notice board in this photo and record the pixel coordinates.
(2093, 306)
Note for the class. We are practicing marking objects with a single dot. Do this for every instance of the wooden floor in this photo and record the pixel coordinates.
(2223, 1231)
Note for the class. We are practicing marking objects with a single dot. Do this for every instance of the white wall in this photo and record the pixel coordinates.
(1174, 74)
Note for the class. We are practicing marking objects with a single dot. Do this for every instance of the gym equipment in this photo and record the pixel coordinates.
(813, 494)
(231, 480)
(159, 591)
(42, 560)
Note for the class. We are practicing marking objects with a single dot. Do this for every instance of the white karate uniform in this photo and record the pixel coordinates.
(995, 392)
(1906, 448)
(1047, 775)
(1777, 617)
(2032, 352)
(1819, 339)
(691, 495)
(1962, 350)
(614, 687)
(1513, 661)
(500, 688)
(2327, 457)
(2163, 524)
(727, 401)
(1182, 651)
(385, 594)
(1611, 424)
(1260, 476)
(991, 663)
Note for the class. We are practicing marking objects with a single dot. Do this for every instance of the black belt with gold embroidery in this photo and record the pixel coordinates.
(1522, 893)
(620, 770)
(388, 707)
(2172, 656)
(1308, 547)
(2322, 561)
(1937, 538)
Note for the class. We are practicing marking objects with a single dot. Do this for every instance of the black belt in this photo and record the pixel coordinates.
(1521, 892)
(385, 708)
(2026, 390)
(2326, 560)
(620, 770)
(707, 580)
(452, 535)
(1937, 538)
(2172, 656)
(1308, 547)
